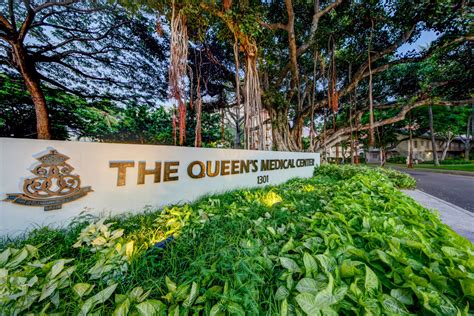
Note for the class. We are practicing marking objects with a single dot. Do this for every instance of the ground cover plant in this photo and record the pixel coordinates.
(346, 241)
(346, 172)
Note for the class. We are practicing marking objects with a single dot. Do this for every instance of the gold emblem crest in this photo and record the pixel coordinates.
(53, 184)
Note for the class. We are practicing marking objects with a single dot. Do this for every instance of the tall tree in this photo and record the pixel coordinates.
(90, 49)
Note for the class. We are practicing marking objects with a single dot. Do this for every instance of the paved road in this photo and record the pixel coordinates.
(455, 189)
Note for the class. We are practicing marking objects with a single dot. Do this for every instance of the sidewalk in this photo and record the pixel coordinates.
(459, 219)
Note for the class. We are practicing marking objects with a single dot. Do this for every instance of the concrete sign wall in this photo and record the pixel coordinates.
(51, 182)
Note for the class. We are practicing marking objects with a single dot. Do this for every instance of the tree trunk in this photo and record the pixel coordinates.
(32, 83)
(371, 99)
(382, 157)
(446, 148)
(237, 143)
(281, 129)
(237, 92)
(296, 134)
(433, 141)
(410, 148)
(222, 127)
(467, 144)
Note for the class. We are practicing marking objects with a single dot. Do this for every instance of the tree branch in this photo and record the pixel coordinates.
(314, 27)
(5, 25)
(81, 73)
(54, 3)
(12, 14)
(74, 92)
(79, 39)
(336, 136)
(362, 73)
(273, 26)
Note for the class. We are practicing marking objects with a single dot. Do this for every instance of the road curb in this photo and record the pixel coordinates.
(457, 208)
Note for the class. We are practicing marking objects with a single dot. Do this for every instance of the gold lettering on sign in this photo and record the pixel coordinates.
(122, 170)
(169, 171)
(244, 166)
(201, 173)
(209, 171)
(225, 167)
(234, 167)
(142, 172)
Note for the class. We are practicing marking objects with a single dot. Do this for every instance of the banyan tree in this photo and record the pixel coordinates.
(256, 123)
(297, 65)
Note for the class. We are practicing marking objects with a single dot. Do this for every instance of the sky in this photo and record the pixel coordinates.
(424, 40)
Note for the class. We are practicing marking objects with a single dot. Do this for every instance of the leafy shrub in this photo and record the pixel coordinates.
(27, 279)
(397, 159)
(346, 172)
(313, 246)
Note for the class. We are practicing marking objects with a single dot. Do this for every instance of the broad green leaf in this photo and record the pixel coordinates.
(150, 307)
(371, 306)
(48, 289)
(4, 256)
(129, 249)
(215, 310)
(235, 309)
(327, 263)
(402, 295)
(308, 303)
(325, 298)
(290, 245)
(281, 293)
(82, 289)
(173, 310)
(16, 259)
(99, 241)
(348, 269)
(170, 284)
(467, 286)
(55, 299)
(192, 296)
(98, 298)
(182, 292)
(392, 306)
(328, 311)
(271, 230)
(290, 264)
(307, 285)
(30, 283)
(339, 293)
(119, 298)
(309, 263)
(57, 268)
(371, 280)
(123, 308)
(136, 292)
(284, 308)
(452, 252)
(290, 283)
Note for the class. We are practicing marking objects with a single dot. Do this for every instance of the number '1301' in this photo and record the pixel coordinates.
(262, 179)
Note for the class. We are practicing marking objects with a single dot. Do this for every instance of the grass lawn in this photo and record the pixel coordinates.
(346, 241)
(456, 167)
(460, 167)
